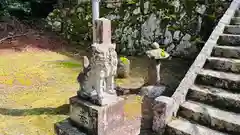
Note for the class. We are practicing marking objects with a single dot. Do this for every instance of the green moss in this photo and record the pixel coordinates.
(37, 90)
(38, 87)
(68, 64)
(132, 107)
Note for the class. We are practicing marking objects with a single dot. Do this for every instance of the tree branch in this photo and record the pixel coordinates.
(13, 36)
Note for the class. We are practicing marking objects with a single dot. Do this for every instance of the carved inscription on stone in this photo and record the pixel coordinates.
(81, 116)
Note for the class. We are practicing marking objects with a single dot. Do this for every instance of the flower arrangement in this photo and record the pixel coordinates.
(124, 60)
(162, 53)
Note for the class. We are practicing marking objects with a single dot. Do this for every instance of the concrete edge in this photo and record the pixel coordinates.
(163, 109)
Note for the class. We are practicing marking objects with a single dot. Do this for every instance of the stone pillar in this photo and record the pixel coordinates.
(153, 72)
(149, 94)
(103, 31)
(155, 56)
(95, 12)
(152, 88)
(163, 108)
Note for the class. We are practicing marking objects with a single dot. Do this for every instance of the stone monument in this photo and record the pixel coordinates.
(96, 110)
(155, 56)
(152, 87)
(97, 79)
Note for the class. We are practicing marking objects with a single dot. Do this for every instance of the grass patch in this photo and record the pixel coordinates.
(37, 87)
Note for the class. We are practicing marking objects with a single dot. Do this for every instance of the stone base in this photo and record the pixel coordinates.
(109, 97)
(152, 91)
(149, 94)
(94, 119)
(67, 127)
(126, 91)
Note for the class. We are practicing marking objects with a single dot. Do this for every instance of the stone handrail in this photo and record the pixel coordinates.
(166, 107)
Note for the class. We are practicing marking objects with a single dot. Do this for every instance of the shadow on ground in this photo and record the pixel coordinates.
(61, 110)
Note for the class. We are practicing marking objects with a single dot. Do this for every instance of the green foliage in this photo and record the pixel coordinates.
(26, 9)
(124, 60)
(163, 53)
(14, 7)
(75, 22)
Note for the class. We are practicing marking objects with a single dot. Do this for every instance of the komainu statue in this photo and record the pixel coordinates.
(97, 78)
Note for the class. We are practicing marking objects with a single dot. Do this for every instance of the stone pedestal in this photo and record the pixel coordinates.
(155, 56)
(152, 88)
(153, 72)
(94, 119)
(149, 94)
(87, 118)
(97, 110)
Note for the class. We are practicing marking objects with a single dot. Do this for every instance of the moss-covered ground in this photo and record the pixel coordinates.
(35, 85)
(36, 81)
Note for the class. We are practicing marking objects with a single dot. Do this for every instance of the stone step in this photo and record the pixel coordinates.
(235, 21)
(232, 29)
(226, 51)
(219, 79)
(211, 117)
(237, 13)
(229, 40)
(184, 127)
(223, 64)
(214, 96)
(66, 127)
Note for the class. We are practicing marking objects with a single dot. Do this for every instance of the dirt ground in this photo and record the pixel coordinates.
(38, 75)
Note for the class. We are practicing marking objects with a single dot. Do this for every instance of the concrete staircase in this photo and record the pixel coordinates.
(212, 105)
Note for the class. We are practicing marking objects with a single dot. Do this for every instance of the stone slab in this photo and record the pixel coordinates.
(215, 96)
(162, 110)
(226, 52)
(184, 127)
(237, 13)
(223, 64)
(235, 21)
(66, 127)
(149, 94)
(219, 79)
(152, 91)
(232, 29)
(229, 40)
(97, 120)
(212, 117)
